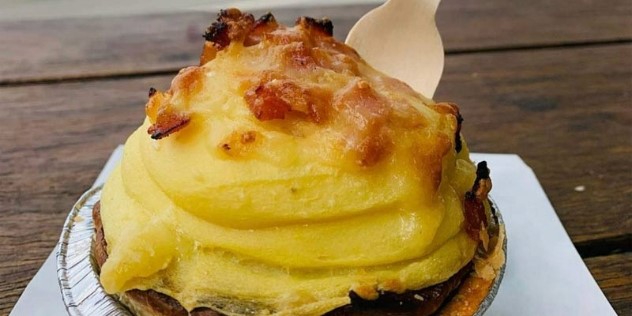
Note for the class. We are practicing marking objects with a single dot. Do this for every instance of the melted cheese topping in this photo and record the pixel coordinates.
(297, 174)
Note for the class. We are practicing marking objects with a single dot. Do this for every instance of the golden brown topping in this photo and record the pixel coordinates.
(164, 116)
(272, 100)
(299, 55)
(168, 123)
(231, 25)
(265, 24)
(365, 114)
(292, 79)
(276, 95)
(188, 82)
(208, 53)
(238, 144)
(323, 25)
(474, 209)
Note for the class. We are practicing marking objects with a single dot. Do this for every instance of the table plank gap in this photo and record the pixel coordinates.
(604, 246)
(614, 275)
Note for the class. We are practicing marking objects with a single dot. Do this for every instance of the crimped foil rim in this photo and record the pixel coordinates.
(78, 279)
(77, 274)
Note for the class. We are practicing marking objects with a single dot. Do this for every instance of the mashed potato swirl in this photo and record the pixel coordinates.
(283, 173)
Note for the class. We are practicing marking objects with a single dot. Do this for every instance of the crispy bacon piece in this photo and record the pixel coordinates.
(458, 143)
(324, 25)
(265, 24)
(168, 124)
(165, 117)
(231, 24)
(270, 101)
(276, 95)
(365, 115)
(474, 209)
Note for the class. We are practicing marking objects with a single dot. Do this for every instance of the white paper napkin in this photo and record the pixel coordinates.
(544, 275)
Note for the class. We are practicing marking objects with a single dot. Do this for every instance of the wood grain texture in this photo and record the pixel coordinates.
(566, 111)
(56, 140)
(99, 47)
(614, 275)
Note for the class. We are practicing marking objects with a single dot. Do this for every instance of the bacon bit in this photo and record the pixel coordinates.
(217, 33)
(324, 25)
(458, 143)
(474, 209)
(265, 24)
(154, 105)
(276, 95)
(365, 114)
(265, 20)
(474, 215)
(267, 102)
(167, 124)
(231, 24)
(165, 118)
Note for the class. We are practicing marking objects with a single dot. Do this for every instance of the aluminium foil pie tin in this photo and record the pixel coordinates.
(77, 269)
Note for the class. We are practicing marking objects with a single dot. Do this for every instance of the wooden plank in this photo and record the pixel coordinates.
(56, 140)
(544, 105)
(48, 50)
(614, 275)
(568, 113)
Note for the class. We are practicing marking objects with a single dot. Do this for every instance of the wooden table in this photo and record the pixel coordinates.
(549, 80)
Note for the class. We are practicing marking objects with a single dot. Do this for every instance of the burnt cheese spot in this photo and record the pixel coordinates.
(473, 207)
(425, 301)
(265, 19)
(323, 25)
(218, 34)
(458, 143)
(231, 24)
